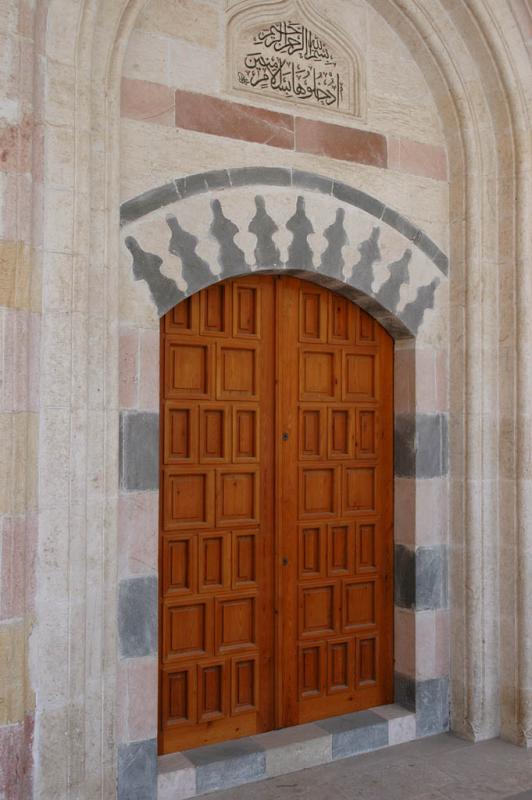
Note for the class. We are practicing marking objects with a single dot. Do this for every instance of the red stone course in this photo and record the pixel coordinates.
(417, 158)
(340, 142)
(150, 102)
(16, 763)
(197, 112)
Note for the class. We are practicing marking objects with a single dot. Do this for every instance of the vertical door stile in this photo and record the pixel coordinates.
(336, 499)
(287, 494)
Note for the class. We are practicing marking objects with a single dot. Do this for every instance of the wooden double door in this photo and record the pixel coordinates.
(276, 511)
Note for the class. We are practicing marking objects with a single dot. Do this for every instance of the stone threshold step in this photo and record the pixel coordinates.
(255, 758)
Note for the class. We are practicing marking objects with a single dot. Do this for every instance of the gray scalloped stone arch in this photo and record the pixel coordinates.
(326, 268)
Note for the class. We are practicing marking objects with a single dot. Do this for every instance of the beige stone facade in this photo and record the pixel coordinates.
(116, 113)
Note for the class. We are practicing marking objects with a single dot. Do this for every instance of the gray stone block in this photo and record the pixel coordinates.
(404, 576)
(292, 749)
(394, 326)
(139, 451)
(432, 445)
(137, 616)
(427, 246)
(311, 181)
(405, 691)
(202, 182)
(137, 771)
(176, 777)
(217, 179)
(269, 176)
(356, 733)
(191, 185)
(401, 224)
(431, 578)
(405, 445)
(420, 445)
(222, 766)
(348, 194)
(432, 706)
(148, 201)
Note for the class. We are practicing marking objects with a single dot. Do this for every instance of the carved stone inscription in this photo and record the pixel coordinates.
(288, 60)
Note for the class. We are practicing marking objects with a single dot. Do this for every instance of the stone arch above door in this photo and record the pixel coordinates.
(185, 235)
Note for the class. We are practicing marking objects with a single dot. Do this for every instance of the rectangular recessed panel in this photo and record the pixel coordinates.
(366, 672)
(212, 691)
(187, 628)
(213, 434)
(179, 697)
(366, 547)
(312, 316)
(317, 492)
(214, 311)
(244, 690)
(338, 666)
(179, 564)
(187, 369)
(188, 498)
(340, 547)
(179, 692)
(366, 439)
(359, 494)
(360, 375)
(318, 375)
(245, 434)
(311, 551)
(237, 497)
(359, 604)
(366, 329)
(311, 671)
(180, 434)
(339, 433)
(214, 564)
(339, 319)
(316, 610)
(237, 373)
(311, 433)
(244, 559)
(183, 318)
(246, 311)
(235, 624)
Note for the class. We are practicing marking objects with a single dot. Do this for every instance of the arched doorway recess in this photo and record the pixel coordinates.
(188, 236)
(276, 492)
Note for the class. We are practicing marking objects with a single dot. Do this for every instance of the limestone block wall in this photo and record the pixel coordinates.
(20, 330)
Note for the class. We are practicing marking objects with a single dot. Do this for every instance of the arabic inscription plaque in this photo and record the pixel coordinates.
(288, 60)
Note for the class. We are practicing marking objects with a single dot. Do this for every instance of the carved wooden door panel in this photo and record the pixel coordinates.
(276, 511)
(335, 496)
(217, 530)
